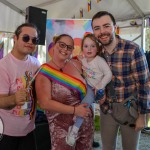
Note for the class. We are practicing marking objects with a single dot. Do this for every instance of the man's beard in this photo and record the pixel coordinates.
(108, 42)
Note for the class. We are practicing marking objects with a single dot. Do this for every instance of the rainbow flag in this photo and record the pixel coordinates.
(69, 82)
(117, 30)
(98, 1)
(89, 5)
(73, 17)
(1, 49)
(81, 12)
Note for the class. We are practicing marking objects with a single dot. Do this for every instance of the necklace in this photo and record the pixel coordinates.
(60, 68)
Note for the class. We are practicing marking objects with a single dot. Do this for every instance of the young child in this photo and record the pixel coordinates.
(97, 74)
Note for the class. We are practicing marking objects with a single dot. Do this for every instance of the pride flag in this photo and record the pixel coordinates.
(81, 12)
(1, 49)
(98, 1)
(117, 30)
(89, 5)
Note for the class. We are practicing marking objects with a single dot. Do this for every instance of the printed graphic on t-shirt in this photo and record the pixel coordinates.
(88, 72)
(29, 106)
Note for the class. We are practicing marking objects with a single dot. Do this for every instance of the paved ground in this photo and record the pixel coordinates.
(144, 143)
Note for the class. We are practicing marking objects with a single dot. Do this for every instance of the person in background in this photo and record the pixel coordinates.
(130, 77)
(97, 74)
(17, 104)
(60, 88)
(147, 127)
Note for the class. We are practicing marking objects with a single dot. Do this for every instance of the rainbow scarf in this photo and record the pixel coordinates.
(64, 79)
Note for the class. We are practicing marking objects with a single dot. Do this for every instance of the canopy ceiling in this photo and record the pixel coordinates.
(68, 9)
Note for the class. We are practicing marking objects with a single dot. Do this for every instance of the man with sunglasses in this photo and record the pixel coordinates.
(17, 102)
(130, 78)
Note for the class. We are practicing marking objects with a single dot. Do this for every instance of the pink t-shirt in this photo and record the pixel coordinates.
(16, 74)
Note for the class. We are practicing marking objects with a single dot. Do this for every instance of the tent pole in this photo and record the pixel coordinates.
(136, 8)
(139, 11)
(12, 7)
(142, 33)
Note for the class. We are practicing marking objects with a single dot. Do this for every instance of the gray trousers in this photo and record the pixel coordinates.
(109, 130)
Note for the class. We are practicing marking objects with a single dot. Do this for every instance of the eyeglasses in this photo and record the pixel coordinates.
(63, 45)
(26, 38)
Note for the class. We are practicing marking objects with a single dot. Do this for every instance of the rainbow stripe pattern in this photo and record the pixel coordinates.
(64, 79)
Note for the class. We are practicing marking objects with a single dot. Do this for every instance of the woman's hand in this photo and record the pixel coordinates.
(82, 111)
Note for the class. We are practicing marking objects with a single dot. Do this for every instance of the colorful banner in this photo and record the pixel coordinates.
(35, 53)
(81, 12)
(2, 35)
(1, 49)
(76, 28)
(73, 17)
(117, 30)
(89, 5)
(98, 1)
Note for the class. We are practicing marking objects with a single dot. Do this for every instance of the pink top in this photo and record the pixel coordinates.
(16, 74)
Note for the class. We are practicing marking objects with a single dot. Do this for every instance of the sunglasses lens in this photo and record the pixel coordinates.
(35, 41)
(26, 38)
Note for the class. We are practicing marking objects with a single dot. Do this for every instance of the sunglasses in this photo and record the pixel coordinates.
(26, 38)
(63, 45)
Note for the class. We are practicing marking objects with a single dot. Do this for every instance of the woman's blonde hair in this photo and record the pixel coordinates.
(57, 38)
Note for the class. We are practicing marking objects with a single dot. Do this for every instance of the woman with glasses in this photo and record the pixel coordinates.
(60, 88)
(17, 102)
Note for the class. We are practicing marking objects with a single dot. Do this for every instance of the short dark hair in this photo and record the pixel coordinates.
(19, 28)
(103, 13)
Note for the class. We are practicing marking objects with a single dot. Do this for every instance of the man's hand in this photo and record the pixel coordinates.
(20, 97)
(140, 122)
(102, 100)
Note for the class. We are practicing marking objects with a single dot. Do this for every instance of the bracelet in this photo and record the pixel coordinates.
(74, 110)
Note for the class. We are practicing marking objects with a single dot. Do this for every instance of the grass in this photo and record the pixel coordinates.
(97, 123)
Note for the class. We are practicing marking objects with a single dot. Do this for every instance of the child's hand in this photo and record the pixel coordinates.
(80, 57)
(95, 90)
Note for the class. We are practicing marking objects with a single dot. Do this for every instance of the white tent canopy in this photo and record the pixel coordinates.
(13, 11)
